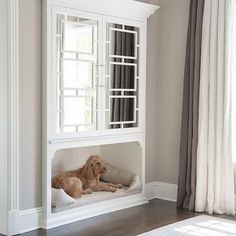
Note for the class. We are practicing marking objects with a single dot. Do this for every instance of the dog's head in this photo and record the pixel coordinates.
(94, 167)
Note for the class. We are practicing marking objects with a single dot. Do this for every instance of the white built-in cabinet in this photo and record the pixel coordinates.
(97, 80)
(94, 84)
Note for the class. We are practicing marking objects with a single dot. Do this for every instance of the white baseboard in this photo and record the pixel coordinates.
(95, 209)
(161, 190)
(30, 220)
(3, 223)
(164, 191)
(235, 203)
(13, 226)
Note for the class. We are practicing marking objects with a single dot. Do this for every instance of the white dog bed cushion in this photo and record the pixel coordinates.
(60, 198)
(132, 185)
(117, 176)
(135, 184)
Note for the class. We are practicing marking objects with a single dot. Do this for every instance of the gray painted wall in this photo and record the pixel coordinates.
(171, 44)
(167, 34)
(166, 50)
(30, 103)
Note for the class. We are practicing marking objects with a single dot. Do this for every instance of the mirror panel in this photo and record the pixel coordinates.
(78, 34)
(78, 110)
(122, 76)
(77, 74)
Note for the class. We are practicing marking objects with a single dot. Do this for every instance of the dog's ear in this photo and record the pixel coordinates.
(97, 168)
(88, 169)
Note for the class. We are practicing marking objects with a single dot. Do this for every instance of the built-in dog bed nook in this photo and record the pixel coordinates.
(123, 166)
(94, 104)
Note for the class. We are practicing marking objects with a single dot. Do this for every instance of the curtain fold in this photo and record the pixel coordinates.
(215, 183)
(189, 126)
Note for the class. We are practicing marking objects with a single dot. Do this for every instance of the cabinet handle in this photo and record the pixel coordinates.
(100, 86)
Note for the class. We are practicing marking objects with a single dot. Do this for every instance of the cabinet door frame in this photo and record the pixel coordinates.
(142, 74)
(101, 90)
(52, 103)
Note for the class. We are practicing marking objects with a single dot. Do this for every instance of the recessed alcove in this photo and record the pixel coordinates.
(95, 99)
(122, 156)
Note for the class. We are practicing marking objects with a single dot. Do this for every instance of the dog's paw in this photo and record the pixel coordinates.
(88, 191)
(119, 185)
(113, 189)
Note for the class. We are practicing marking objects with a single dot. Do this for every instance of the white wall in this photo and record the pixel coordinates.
(166, 50)
(151, 100)
(124, 156)
(71, 159)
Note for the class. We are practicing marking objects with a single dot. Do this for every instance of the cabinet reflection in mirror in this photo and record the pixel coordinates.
(77, 53)
(122, 76)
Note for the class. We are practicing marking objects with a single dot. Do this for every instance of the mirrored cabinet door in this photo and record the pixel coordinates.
(77, 44)
(122, 76)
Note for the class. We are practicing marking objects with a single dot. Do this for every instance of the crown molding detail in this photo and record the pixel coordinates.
(128, 9)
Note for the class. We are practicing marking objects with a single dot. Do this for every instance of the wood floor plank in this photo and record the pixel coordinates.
(128, 222)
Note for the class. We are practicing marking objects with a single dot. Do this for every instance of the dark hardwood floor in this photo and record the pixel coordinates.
(127, 222)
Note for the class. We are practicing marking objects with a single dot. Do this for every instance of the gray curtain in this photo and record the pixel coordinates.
(122, 77)
(189, 127)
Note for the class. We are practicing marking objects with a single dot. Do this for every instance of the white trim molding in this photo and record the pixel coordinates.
(9, 59)
(33, 219)
(235, 202)
(13, 114)
(30, 220)
(160, 190)
(13, 98)
(164, 191)
(95, 209)
(3, 116)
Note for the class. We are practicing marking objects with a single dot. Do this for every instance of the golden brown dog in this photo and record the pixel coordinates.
(84, 180)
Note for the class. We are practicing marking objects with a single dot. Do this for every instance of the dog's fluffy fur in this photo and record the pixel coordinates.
(84, 180)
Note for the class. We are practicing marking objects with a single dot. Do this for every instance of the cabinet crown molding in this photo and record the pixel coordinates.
(128, 9)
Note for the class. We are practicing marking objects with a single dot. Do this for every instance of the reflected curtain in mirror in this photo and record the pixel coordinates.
(123, 77)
